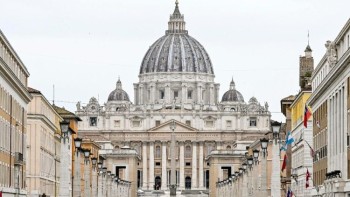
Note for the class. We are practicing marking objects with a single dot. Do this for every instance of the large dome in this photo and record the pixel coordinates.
(176, 51)
(232, 95)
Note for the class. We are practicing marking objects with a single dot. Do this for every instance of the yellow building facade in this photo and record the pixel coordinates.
(14, 98)
(301, 155)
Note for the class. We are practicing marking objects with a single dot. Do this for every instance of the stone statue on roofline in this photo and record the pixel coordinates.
(331, 53)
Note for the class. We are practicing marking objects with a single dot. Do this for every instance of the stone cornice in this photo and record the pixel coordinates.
(16, 84)
(44, 119)
(13, 52)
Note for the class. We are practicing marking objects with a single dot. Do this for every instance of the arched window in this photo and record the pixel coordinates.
(228, 147)
(116, 147)
(188, 153)
(158, 152)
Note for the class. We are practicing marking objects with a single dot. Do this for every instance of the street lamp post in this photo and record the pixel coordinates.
(255, 169)
(264, 142)
(87, 172)
(108, 184)
(66, 161)
(77, 177)
(93, 177)
(104, 177)
(173, 164)
(99, 181)
(244, 180)
(249, 172)
(276, 162)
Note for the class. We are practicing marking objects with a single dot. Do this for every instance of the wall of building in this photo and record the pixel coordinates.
(298, 108)
(43, 147)
(14, 98)
(320, 143)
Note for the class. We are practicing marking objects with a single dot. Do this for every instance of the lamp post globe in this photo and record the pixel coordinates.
(264, 143)
(99, 165)
(276, 127)
(250, 161)
(77, 142)
(64, 130)
(64, 126)
(94, 161)
(256, 154)
(244, 166)
(86, 153)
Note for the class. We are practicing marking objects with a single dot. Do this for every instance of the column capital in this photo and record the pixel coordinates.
(181, 142)
(164, 142)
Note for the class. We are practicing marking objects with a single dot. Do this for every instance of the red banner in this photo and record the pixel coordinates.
(0, 194)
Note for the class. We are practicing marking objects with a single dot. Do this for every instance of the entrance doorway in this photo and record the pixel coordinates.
(188, 182)
(157, 183)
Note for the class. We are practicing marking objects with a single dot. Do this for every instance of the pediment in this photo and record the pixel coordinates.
(180, 127)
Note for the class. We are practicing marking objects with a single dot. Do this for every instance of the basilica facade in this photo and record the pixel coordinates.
(176, 84)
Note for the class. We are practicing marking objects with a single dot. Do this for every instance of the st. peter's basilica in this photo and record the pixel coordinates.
(176, 83)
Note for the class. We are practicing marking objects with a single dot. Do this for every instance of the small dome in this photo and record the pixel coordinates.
(232, 95)
(253, 100)
(118, 94)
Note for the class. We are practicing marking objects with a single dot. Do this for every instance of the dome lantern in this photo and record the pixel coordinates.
(177, 22)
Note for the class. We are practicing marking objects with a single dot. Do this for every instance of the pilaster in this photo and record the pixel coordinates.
(144, 166)
(194, 165)
(164, 166)
(182, 166)
(151, 166)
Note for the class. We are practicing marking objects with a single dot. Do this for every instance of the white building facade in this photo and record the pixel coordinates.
(331, 83)
(176, 82)
(44, 147)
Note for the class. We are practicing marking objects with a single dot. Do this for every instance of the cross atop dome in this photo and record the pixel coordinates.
(177, 22)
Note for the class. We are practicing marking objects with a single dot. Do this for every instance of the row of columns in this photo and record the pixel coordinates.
(148, 170)
(107, 186)
(140, 91)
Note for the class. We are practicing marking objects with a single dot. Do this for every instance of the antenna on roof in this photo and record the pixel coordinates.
(53, 94)
(308, 37)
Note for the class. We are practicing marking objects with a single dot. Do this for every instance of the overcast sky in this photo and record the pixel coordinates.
(82, 46)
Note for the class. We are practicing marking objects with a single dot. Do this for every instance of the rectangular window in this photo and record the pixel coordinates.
(93, 121)
(161, 94)
(188, 122)
(176, 94)
(209, 123)
(117, 123)
(157, 123)
(136, 123)
(157, 163)
(252, 122)
(228, 124)
(188, 163)
(189, 94)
